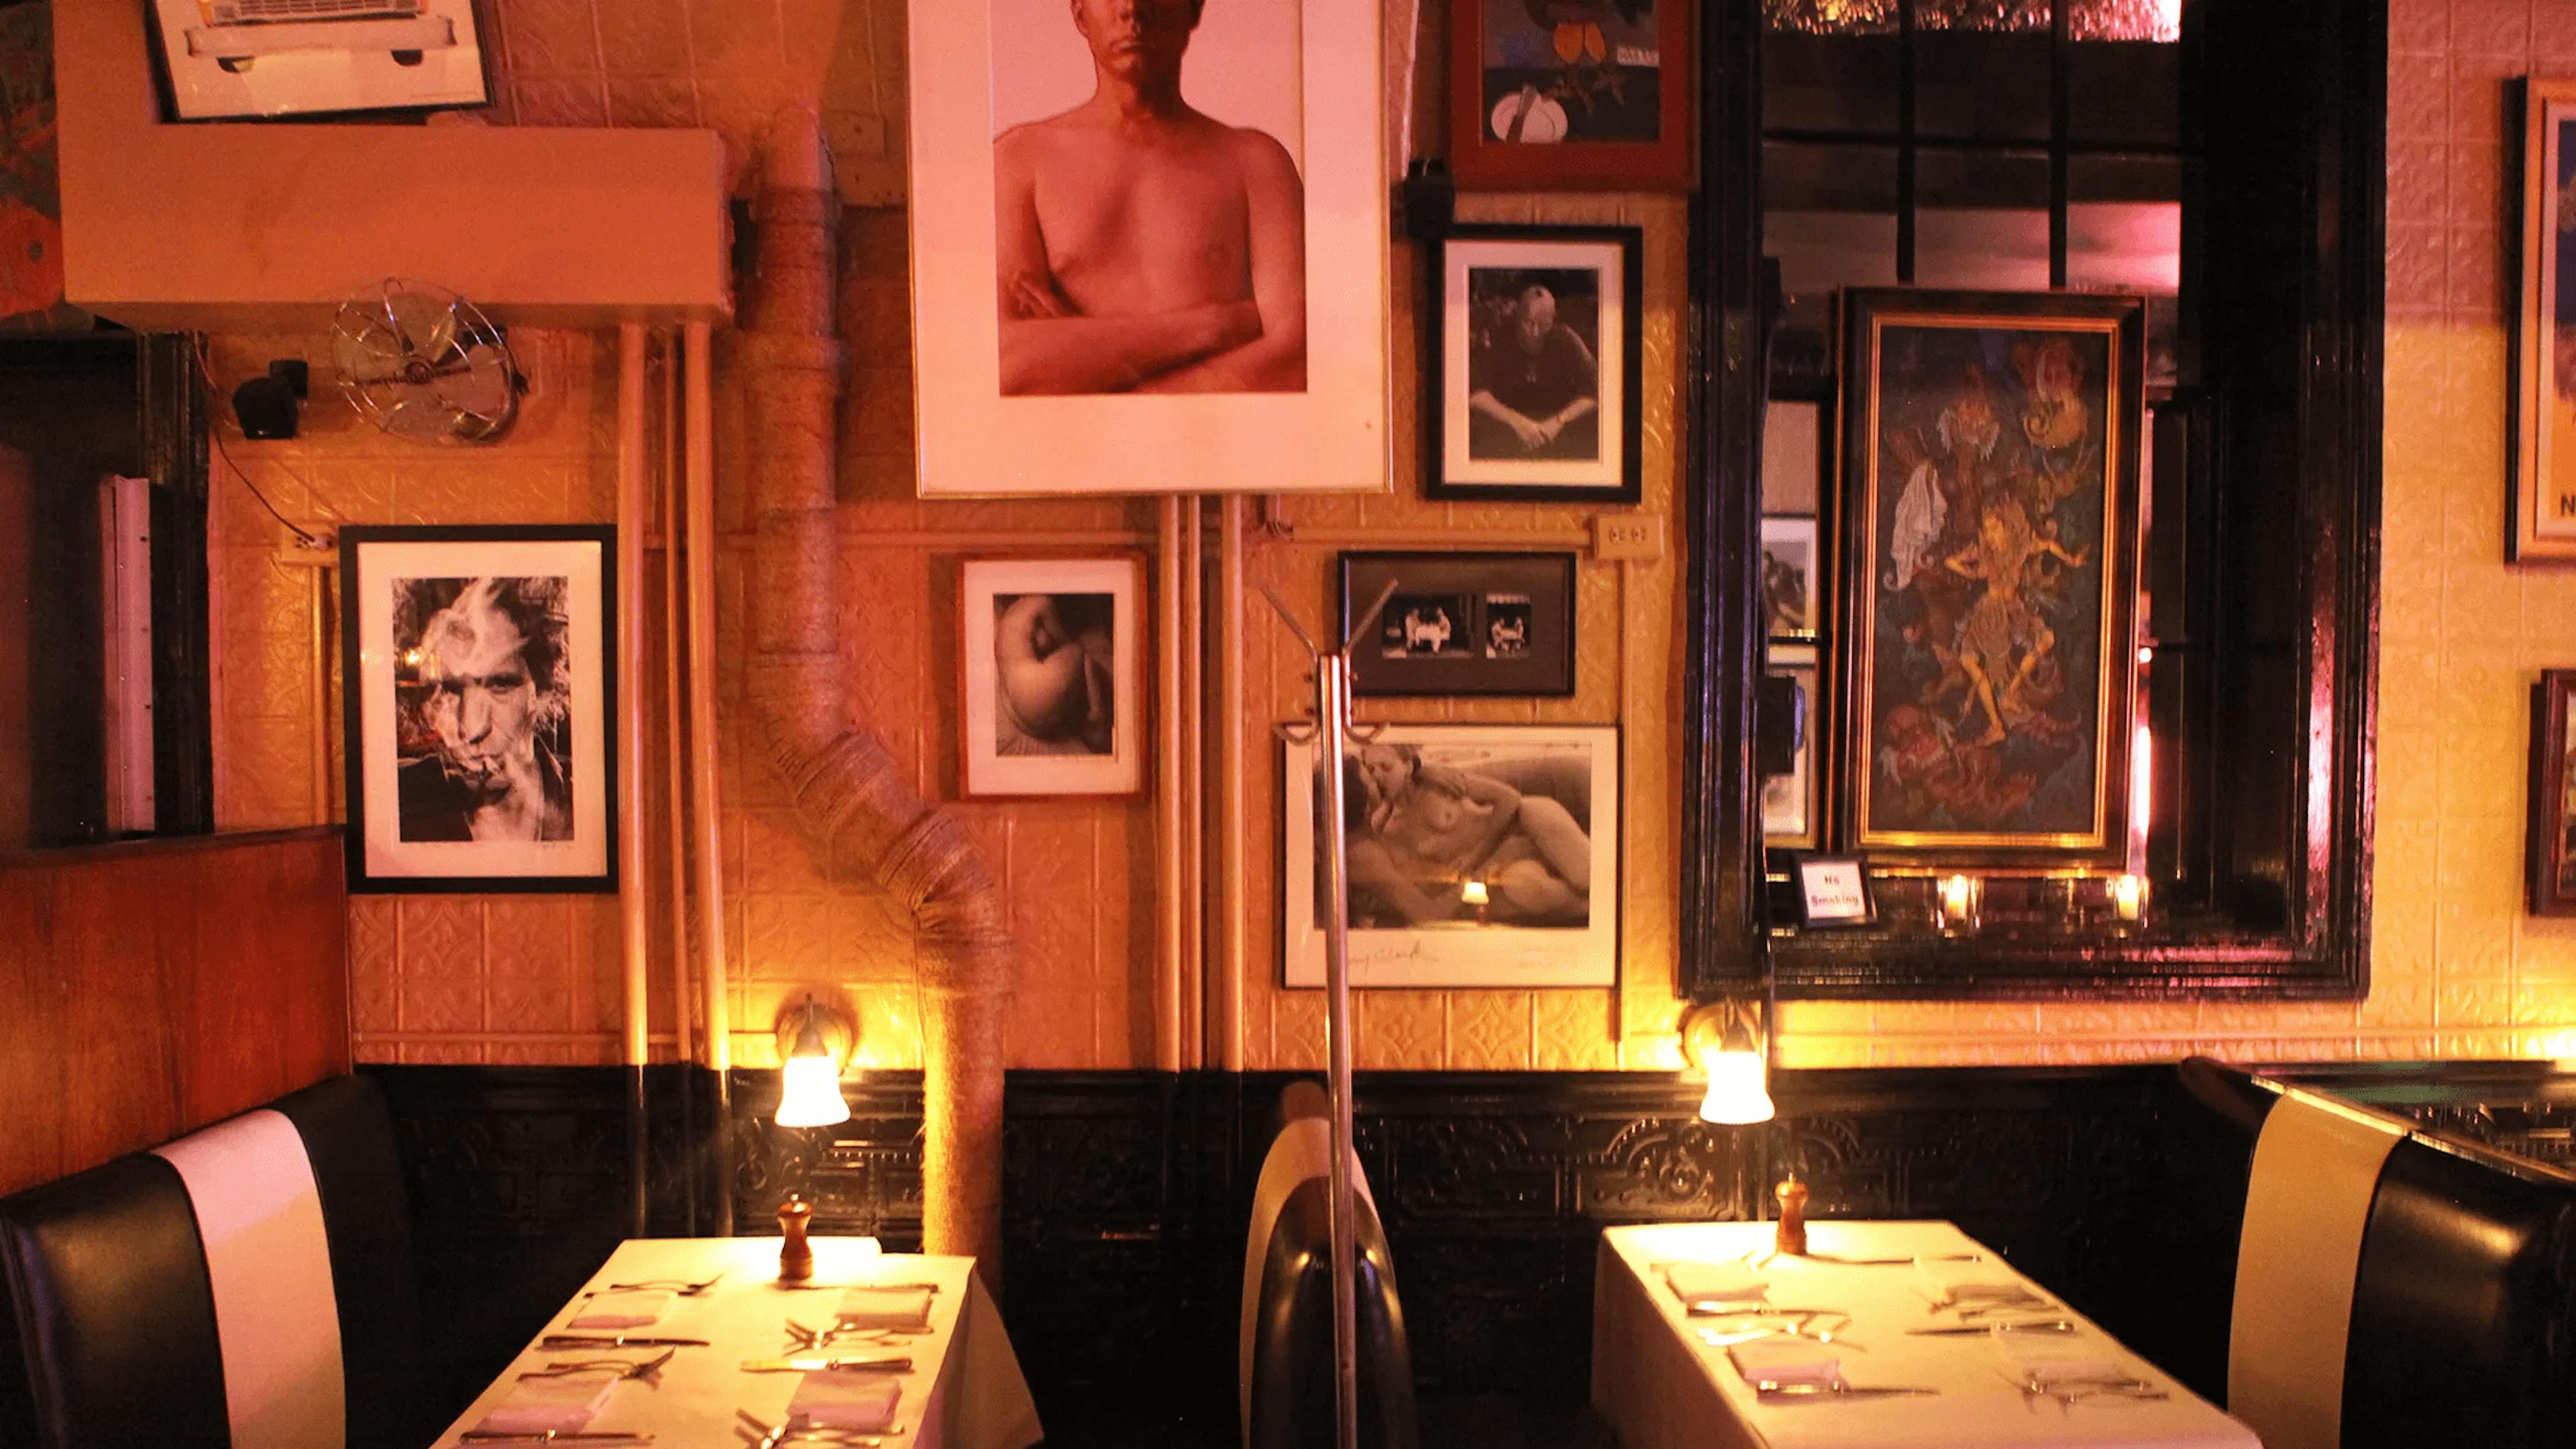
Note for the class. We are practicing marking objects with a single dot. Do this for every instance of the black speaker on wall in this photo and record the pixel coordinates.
(266, 405)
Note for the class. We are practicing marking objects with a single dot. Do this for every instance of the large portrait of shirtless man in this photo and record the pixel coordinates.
(1143, 245)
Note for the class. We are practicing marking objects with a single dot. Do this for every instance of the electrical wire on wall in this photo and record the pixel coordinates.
(215, 436)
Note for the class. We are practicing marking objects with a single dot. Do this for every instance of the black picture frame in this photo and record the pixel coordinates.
(1486, 593)
(579, 742)
(1805, 866)
(1457, 315)
(2550, 846)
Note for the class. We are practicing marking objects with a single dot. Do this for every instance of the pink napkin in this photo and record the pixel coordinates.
(885, 1307)
(624, 1310)
(845, 1399)
(558, 1403)
(1787, 1361)
(1721, 1286)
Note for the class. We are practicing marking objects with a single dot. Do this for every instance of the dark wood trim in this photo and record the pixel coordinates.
(149, 849)
(173, 422)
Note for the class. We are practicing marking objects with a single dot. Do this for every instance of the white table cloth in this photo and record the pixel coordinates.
(964, 1391)
(1661, 1387)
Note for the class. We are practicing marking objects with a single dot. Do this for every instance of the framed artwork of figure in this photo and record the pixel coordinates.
(1533, 379)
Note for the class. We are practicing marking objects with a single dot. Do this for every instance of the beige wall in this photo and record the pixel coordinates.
(2458, 970)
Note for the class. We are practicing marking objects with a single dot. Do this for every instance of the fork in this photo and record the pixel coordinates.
(677, 1285)
(804, 1337)
(649, 1369)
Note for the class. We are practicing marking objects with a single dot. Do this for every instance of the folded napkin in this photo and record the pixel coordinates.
(624, 1310)
(885, 1307)
(1724, 1284)
(1787, 1361)
(555, 1403)
(1961, 1284)
(844, 1400)
(2045, 1364)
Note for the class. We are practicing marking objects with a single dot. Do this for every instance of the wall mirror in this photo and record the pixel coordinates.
(1991, 259)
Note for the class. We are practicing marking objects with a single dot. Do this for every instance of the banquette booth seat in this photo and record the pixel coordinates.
(1286, 1389)
(2456, 1319)
(248, 1285)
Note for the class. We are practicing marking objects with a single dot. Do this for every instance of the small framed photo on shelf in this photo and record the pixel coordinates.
(1462, 623)
(1833, 890)
(246, 58)
(1790, 607)
(479, 673)
(1051, 676)
(1550, 97)
(2552, 844)
(1533, 378)
(1789, 806)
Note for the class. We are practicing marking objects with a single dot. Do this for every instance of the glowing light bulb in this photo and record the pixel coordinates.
(2129, 896)
(809, 1093)
(1472, 893)
(1738, 1093)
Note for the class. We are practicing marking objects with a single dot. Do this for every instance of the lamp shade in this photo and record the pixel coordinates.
(809, 1093)
(1738, 1094)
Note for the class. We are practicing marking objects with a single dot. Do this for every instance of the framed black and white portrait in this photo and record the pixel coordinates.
(1790, 597)
(1149, 246)
(1790, 805)
(243, 58)
(1533, 381)
(1461, 623)
(1050, 690)
(1479, 856)
(479, 674)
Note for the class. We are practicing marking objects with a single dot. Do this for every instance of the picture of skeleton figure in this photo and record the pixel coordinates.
(1425, 626)
(1055, 671)
(483, 739)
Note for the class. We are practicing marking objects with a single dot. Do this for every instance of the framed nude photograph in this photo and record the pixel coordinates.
(1051, 676)
(1552, 96)
(2543, 526)
(1479, 856)
(1149, 246)
(227, 59)
(479, 674)
(1533, 383)
(1990, 497)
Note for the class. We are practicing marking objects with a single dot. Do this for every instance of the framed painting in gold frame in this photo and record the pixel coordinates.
(2544, 395)
(1989, 509)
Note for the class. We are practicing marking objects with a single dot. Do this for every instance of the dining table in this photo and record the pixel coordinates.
(1882, 1333)
(725, 1347)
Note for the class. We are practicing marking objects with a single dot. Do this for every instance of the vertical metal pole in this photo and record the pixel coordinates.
(1332, 719)
(698, 426)
(633, 896)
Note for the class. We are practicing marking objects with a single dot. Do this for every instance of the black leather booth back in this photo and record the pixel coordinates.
(111, 1338)
(2464, 1305)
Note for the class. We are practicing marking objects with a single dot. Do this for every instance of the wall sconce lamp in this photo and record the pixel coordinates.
(1729, 1039)
(815, 1041)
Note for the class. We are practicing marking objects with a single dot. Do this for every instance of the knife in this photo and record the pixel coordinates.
(888, 1365)
(614, 1340)
(2057, 1325)
(551, 1436)
(845, 1287)
(1771, 1390)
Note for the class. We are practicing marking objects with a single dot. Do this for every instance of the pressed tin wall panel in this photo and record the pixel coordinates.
(2457, 969)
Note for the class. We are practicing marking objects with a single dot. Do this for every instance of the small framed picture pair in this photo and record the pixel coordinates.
(2552, 844)
(1533, 379)
(1461, 623)
(1051, 676)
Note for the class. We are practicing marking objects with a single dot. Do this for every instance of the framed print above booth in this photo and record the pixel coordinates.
(2544, 460)
(1989, 508)
(1461, 623)
(1051, 676)
(1149, 249)
(1533, 376)
(479, 676)
(1549, 97)
(2552, 841)
(1479, 856)
(236, 58)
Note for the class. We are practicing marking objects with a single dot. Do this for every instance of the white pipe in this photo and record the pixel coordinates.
(1170, 919)
(675, 739)
(633, 898)
(1230, 764)
(699, 429)
(1194, 911)
(1332, 718)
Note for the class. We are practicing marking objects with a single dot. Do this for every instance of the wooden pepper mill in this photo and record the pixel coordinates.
(1792, 1237)
(795, 1254)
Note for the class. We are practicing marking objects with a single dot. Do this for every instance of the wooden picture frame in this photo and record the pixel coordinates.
(1461, 624)
(1793, 804)
(1040, 368)
(227, 60)
(2542, 528)
(1989, 512)
(2550, 848)
(479, 686)
(1602, 102)
(1039, 711)
(1547, 875)
(1531, 359)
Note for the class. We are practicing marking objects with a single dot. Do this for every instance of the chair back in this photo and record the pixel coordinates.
(1286, 1389)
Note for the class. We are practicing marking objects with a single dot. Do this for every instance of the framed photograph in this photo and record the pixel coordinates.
(1790, 577)
(1549, 97)
(1534, 381)
(1149, 248)
(1833, 890)
(1479, 855)
(2544, 433)
(479, 671)
(1989, 503)
(2552, 846)
(236, 58)
(1790, 816)
(1051, 676)
(1462, 623)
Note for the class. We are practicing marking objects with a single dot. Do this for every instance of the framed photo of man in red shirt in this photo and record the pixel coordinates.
(1534, 375)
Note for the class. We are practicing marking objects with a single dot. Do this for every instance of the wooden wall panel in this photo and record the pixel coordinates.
(149, 989)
